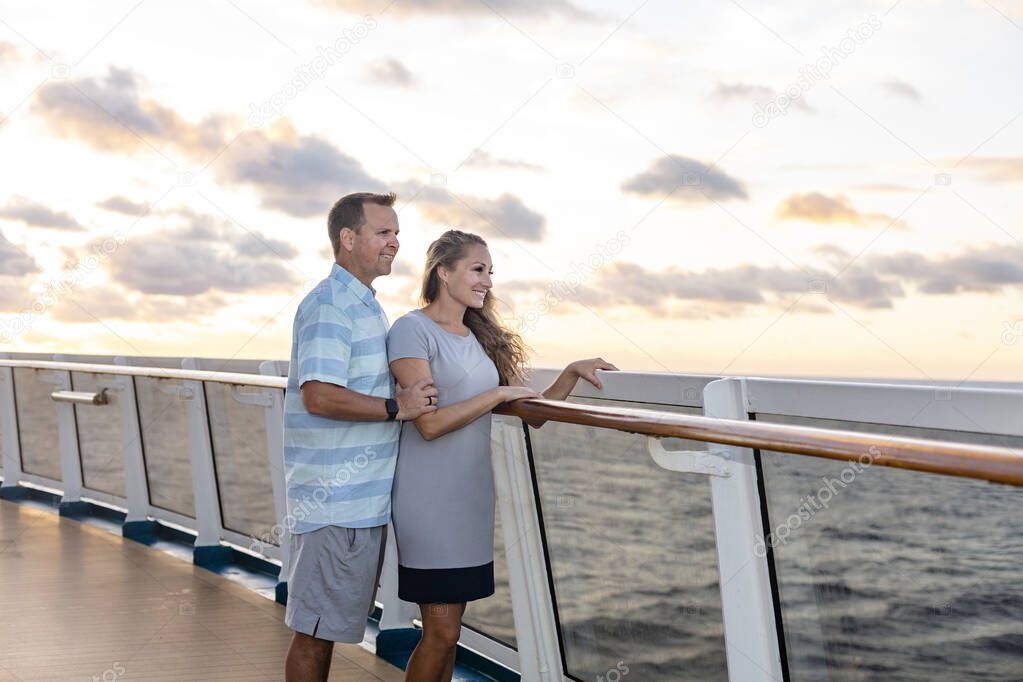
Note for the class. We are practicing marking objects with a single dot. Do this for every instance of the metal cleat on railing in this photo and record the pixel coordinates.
(80, 397)
(688, 461)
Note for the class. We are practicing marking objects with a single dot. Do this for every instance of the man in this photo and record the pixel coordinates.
(341, 431)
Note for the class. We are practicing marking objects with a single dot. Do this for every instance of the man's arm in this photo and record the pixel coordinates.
(336, 402)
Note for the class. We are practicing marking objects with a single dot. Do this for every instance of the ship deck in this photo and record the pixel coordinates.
(82, 603)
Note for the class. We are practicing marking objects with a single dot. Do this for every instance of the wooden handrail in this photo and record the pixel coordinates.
(985, 462)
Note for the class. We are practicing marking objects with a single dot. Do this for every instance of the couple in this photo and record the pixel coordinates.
(453, 363)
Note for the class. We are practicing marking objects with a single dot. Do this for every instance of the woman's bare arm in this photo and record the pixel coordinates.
(409, 371)
(566, 381)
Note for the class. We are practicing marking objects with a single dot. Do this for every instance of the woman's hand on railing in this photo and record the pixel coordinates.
(510, 393)
(587, 369)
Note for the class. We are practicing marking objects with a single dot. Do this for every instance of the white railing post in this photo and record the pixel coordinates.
(67, 438)
(208, 550)
(275, 451)
(532, 606)
(747, 604)
(397, 614)
(136, 483)
(11, 446)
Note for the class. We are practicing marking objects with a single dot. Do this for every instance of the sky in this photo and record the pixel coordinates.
(815, 189)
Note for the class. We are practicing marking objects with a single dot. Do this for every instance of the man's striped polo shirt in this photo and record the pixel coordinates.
(338, 472)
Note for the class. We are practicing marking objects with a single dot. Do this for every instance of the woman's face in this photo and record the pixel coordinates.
(469, 281)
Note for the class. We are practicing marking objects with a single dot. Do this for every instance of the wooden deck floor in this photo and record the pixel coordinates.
(79, 603)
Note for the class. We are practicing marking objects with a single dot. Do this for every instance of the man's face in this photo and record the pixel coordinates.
(376, 244)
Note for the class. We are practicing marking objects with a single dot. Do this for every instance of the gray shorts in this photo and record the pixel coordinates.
(332, 580)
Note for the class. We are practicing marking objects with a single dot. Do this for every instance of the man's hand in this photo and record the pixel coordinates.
(418, 399)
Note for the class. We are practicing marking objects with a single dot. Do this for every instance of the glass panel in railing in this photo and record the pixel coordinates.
(37, 423)
(163, 419)
(891, 574)
(493, 616)
(240, 455)
(633, 555)
(99, 435)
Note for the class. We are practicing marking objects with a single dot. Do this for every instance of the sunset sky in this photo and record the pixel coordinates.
(828, 189)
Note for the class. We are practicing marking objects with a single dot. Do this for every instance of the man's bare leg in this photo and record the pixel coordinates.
(308, 659)
(434, 657)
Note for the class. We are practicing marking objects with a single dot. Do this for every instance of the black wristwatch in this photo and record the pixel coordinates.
(392, 409)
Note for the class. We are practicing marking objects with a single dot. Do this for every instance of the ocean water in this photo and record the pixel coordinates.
(902, 576)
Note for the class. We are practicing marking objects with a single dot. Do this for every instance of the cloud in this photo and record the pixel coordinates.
(876, 282)
(37, 215)
(119, 204)
(481, 159)
(390, 71)
(902, 89)
(985, 269)
(301, 175)
(994, 168)
(886, 187)
(411, 8)
(108, 114)
(15, 297)
(9, 54)
(820, 208)
(756, 94)
(686, 179)
(743, 284)
(205, 254)
(14, 261)
(107, 302)
(505, 217)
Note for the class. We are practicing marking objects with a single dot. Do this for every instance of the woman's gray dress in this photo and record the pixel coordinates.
(442, 502)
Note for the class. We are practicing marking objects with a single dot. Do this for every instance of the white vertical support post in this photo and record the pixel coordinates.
(532, 606)
(11, 446)
(275, 451)
(747, 603)
(208, 550)
(136, 484)
(397, 614)
(67, 438)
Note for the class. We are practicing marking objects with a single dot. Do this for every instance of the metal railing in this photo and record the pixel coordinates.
(751, 618)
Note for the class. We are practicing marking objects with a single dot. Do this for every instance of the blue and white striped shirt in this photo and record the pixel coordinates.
(338, 473)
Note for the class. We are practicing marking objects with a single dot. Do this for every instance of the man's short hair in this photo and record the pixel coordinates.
(348, 212)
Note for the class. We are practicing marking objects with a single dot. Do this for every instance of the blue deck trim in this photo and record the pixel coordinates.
(144, 532)
(396, 645)
(14, 492)
(212, 557)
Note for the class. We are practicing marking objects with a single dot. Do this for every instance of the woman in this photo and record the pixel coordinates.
(443, 495)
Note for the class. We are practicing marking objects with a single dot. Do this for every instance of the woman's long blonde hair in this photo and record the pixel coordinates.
(501, 344)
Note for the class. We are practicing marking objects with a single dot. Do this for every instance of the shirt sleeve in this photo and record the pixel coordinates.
(408, 338)
(324, 345)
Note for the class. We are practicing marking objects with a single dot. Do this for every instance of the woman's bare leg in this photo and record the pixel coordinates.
(433, 659)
